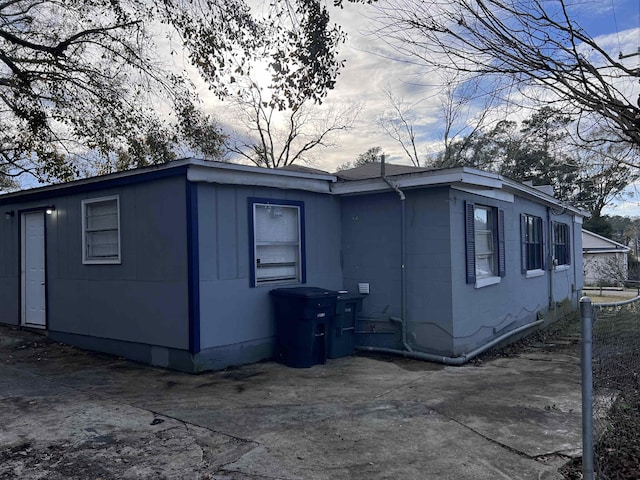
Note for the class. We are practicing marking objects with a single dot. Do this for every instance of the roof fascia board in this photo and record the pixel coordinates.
(251, 177)
(487, 193)
(412, 180)
(605, 239)
(236, 167)
(112, 180)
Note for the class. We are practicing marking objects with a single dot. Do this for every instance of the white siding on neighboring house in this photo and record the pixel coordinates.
(605, 261)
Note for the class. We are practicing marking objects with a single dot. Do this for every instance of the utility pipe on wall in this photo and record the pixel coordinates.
(408, 351)
(403, 295)
(451, 360)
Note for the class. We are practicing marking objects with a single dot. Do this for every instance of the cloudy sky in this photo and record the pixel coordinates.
(369, 71)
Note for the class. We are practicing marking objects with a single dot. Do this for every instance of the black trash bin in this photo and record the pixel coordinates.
(341, 341)
(303, 316)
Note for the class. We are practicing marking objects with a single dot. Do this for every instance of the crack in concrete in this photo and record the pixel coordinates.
(106, 396)
(401, 386)
(537, 458)
(486, 437)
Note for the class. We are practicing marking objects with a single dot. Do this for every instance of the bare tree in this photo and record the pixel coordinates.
(399, 123)
(517, 45)
(611, 270)
(461, 122)
(275, 137)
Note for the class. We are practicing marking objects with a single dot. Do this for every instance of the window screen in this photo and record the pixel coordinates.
(101, 230)
(277, 243)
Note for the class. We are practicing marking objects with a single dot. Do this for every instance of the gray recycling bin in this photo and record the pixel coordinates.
(303, 316)
(341, 341)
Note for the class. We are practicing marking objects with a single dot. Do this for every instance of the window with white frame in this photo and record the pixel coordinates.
(277, 242)
(101, 230)
(486, 241)
(532, 243)
(484, 244)
(561, 252)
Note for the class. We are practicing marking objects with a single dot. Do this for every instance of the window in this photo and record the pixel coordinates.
(561, 252)
(101, 230)
(278, 242)
(532, 243)
(484, 241)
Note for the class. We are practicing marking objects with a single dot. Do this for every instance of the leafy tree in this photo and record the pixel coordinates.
(541, 156)
(373, 155)
(84, 77)
(485, 150)
(599, 225)
(536, 152)
(521, 49)
(589, 174)
(606, 169)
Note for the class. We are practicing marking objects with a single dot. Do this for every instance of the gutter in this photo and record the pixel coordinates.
(429, 357)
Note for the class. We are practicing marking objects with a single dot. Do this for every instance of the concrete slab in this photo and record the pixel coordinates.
(65, 413)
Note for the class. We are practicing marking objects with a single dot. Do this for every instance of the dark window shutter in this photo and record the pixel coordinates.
(501, 253)
(523, 242)
(470, 242)
(543, 244)
(568, 246)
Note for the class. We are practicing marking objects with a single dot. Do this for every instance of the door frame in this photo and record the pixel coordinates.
(22, 259)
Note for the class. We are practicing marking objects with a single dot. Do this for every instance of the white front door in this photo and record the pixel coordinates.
(33, 270)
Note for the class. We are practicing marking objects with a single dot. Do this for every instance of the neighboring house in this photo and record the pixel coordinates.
(605, 261)
(172, 265)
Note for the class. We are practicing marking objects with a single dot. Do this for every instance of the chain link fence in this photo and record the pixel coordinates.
(611, 407)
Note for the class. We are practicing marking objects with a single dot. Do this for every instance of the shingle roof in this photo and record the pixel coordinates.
(303, 169)
(372, 170)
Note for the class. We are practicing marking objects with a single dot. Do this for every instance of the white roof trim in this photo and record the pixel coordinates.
(420, 179)
(235, 167)
(255, 176)
(459, 178)
(487, 193)
(606, 250)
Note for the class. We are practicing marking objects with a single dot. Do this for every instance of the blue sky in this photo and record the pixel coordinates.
(602, 17)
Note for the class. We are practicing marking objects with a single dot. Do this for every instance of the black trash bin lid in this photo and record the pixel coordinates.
(304, 292)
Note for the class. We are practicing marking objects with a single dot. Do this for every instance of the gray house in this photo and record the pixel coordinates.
(172, 265)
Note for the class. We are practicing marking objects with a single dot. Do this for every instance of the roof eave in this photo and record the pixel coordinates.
(232, 174)
(433, 178)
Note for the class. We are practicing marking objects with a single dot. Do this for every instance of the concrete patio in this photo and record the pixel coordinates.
(71, 414)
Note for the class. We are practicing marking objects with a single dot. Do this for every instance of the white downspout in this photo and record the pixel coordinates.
(403, 294)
